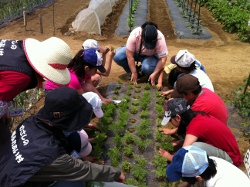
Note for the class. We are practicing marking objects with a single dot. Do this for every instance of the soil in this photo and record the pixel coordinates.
(226, 58)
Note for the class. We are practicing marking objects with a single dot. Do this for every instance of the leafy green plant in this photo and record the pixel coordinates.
(160, 164)
(133, 109)
(126, 166)
(128, 138)
(140, 160)
(241, 98)
(147, 86)
(135, 103)
(139, 173)
(144, 114)
(128, 150)
(142, 144)
(114, 154)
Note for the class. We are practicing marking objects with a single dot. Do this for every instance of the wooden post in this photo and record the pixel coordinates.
(41, 23)
(54, 28)
(24, 19)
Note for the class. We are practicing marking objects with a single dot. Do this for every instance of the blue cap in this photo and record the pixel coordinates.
(92, 57)
(189, 161)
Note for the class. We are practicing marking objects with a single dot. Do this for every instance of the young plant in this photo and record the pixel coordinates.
(137, 90)
(133, 109)
(128, 138)
(142, 144)
(140, 160)
(135, 103)
(139, 173)
(143, 132)
(126, 166)
(128, 150)
(144, 114)
(147, 86)
(114, 154)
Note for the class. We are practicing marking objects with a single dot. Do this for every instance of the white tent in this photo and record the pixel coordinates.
(92, 18)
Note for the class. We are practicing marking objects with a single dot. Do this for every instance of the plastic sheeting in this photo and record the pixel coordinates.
(92, 18)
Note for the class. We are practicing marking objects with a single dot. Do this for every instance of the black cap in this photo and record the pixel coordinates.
(66, 109)
(150, 36)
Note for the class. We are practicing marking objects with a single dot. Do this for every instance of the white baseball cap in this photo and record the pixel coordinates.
(96, 103)
(183, 58)
(91, 44)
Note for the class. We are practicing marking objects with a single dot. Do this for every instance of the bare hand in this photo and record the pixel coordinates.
(122, 178)
(167, 131)
(165, 154)
(106, 100)
(166, 93)
(152, 79)
(134, 77)
(159, 86)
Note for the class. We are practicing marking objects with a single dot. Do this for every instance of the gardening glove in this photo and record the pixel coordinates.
(169, 67)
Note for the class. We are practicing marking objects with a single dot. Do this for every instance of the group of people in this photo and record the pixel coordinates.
(207, 147)
(48, 148)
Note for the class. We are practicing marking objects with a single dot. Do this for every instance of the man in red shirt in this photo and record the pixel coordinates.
(200, 99)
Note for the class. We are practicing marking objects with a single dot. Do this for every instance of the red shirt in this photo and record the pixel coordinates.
(213, 132)
(212, 104)
(12, 83)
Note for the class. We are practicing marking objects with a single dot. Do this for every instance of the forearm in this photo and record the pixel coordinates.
(67, 168)
(160, 65)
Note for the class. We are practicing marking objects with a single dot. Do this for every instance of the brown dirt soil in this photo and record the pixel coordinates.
(226, 59)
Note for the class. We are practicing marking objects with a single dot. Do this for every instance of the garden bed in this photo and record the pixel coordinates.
(132, 133)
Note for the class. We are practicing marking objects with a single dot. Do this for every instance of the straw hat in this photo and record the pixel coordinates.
(49, 58)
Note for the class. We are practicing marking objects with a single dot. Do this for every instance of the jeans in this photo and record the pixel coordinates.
(148, 62)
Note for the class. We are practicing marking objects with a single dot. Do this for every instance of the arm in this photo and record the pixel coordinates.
(166, 93)
(160, 78)
(160, 65)
(108, 64)
(131, 63)
(189, 140)
(67, 168)
(88, 87)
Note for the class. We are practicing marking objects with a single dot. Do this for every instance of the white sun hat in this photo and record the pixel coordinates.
(49, 58)
(91, 44)
(95, 101)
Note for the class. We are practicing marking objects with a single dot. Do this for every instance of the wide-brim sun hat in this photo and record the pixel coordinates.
(49, 58)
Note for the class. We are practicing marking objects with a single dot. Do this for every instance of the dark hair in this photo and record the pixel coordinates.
(186, 118)
(173, 75)
(148, 23)
(188, 69)
(77, 64)
(206, 175)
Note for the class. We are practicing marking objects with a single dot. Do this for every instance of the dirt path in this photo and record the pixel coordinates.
(226, 59)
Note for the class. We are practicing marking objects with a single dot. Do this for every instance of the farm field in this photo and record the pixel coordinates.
(226, 59)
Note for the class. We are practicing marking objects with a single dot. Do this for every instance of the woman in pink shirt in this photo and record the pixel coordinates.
(145, 44)
(82, 67)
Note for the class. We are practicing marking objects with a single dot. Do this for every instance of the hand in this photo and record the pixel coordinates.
(152, 78)
(165, 154)
(134, 77)
(104, 50)
(111, 53)
(106, 100)
(167, 131)
(159, 86)
(166, 93)
(121, 178)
